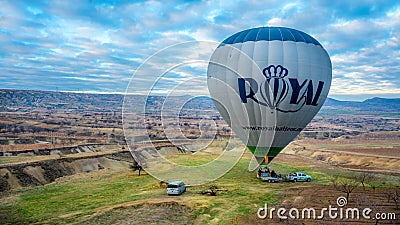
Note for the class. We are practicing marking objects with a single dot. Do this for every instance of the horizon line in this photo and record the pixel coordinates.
(166, 94)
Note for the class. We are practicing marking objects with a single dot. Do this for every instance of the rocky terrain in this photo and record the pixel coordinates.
(63, 159)
(42, 167)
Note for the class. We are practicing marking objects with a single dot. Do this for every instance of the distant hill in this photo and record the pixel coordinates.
(373, 106)
(380, 101)
(25, 100)
(369, 102)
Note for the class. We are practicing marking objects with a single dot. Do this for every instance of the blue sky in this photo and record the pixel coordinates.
(96, 46)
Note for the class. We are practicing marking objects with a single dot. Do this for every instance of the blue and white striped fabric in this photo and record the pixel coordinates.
(270, 34)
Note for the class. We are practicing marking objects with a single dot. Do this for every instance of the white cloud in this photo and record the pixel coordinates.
(90, 43)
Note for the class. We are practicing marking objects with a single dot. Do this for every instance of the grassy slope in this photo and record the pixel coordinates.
(78, 198)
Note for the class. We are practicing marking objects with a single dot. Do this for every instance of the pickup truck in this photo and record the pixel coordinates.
(297, 176)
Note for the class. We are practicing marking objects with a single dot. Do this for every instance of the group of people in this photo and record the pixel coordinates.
(267, 172)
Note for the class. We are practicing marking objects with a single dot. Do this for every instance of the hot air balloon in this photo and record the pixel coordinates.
(268, 83)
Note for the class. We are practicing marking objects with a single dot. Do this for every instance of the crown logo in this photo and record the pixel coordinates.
(276, 87)
(275, 71)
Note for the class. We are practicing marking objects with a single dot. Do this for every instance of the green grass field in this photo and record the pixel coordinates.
(80, 198)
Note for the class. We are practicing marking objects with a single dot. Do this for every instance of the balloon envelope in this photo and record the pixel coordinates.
(268, 83)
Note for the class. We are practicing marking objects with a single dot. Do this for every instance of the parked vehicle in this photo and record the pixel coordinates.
(270, 179)
(298, 176)
(176, 188)
(265, 174)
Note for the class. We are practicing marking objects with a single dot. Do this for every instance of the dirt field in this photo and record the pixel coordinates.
(380, 154)
(318, 197)
(169, 212)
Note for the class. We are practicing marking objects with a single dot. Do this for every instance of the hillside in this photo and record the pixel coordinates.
(25, 100)
(373, 106)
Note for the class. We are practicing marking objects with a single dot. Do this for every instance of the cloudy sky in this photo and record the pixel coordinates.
(96, 46)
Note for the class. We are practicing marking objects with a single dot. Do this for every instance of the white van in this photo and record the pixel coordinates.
(176, 188)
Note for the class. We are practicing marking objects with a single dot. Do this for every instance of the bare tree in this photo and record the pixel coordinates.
(395, 196)
(388, 194)
(344, 185)
(363, 178)
(373, 182)
(135, 166)
(374, 205)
